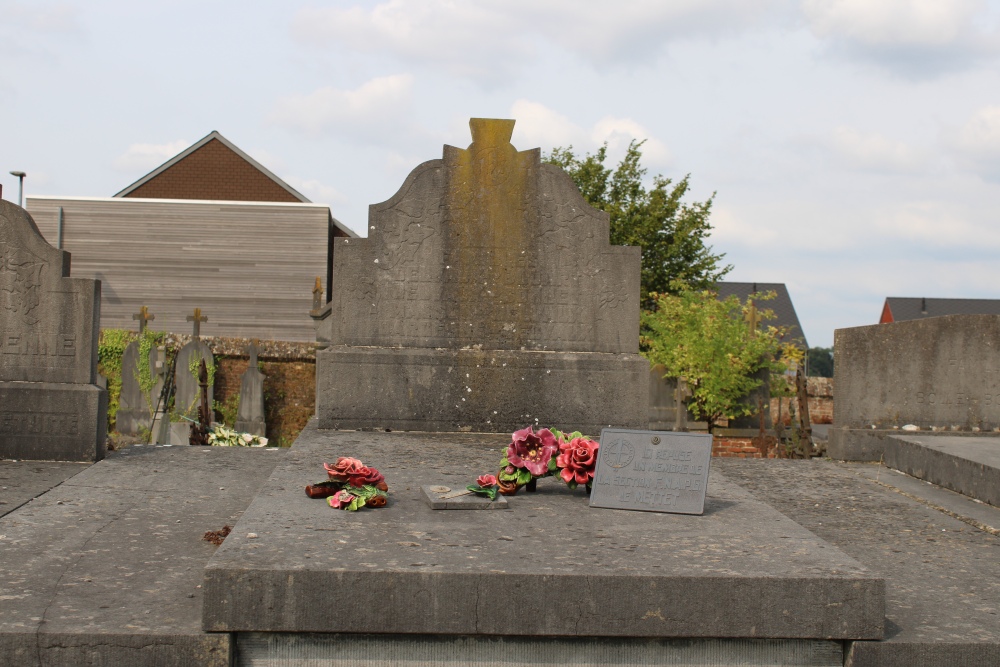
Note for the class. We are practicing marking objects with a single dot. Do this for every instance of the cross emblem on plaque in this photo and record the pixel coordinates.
(143, 316)
(197, 318)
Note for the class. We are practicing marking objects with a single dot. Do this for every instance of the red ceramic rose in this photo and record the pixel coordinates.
(486, 481)
(343, 468)
(576, 460)
(532, 451)
(364, 475)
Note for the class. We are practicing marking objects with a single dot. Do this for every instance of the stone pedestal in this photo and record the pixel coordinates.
(52, 422)
(479, 390)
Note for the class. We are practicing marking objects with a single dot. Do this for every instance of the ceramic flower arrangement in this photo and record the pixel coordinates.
(351, 486)
(223, 436)
(547, 452)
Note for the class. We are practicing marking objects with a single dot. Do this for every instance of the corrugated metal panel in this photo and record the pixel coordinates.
(249, 267)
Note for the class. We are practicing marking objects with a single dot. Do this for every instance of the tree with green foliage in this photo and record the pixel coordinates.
(673, 234)
(708, 341)
(821, 362)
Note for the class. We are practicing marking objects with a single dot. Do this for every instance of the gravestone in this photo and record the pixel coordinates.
(187, 394)
(652, 471)
(136, 408)
(250, 416)
(936, 374)
(50, 405)
(485, 297)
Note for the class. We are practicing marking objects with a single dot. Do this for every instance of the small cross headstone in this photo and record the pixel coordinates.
(197, 318)
(143, 316)
(681, 394)
(318, 294)
(250, 415)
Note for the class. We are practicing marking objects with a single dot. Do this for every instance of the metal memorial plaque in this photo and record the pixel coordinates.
(652, 471)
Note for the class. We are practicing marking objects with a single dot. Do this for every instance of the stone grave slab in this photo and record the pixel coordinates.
(652, 471)
(50, 405)
(968, 465)
(741, 570)
(187, 392)
(486, 290)
(134, 412)
(105, 568)
(250, 415)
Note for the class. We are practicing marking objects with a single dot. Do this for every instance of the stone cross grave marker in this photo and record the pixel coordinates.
(250, 416)
(485, 297)
(50, 405)
(186, 390)
(144, 317)
(197, 318)
(681, 394)
(653, 471)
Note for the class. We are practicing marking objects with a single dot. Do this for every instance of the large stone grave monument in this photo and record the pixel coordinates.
(50, 405)
(936, 375)
(485, 297)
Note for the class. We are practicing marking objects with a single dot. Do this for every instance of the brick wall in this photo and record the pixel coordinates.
(741, 448)
(215, 172)
(820, 391)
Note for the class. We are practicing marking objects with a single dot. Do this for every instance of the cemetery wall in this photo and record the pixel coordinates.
(820, 392)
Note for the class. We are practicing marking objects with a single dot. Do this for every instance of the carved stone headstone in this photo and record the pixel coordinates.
(186, 390)
(250, 416)
(486, 296)
(653, 471)
(135, 407)
(50, 405)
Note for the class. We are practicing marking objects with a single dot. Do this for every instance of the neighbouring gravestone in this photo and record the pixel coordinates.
(940, 373)
(187, 393)
(133, 406)
(653, 471)
(250, 415)
(485, 297)
(50, 405)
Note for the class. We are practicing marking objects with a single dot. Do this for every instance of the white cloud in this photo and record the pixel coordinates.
(935, 227)
(489, 40)
(376, 103)
(977, 144)
(874, 152)
(317, 191)
(917, 38)
(538, 125)
(143, 157)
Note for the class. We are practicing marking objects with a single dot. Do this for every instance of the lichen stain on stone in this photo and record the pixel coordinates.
(491, 234)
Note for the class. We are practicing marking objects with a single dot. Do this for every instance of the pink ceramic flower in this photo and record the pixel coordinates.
(577, 459)
(532, 451)
(340, 500)
(486, 481)
(340, 470)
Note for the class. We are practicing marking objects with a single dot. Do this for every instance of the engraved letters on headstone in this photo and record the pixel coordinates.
(653, 471)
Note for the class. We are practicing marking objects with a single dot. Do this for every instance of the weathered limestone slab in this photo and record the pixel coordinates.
(968, 465)
(187, 395)
(941, 572)
(49, 326)
(250, 415)
(482, 390)
(740, 570)
(939, 372)
(104, 569)
(484, 251)
(134, 411)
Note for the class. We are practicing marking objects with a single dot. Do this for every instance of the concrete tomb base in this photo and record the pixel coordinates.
(52, 422)
(549, 566)
(422, 389)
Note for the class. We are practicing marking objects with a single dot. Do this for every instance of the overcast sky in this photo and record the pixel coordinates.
(853, 145)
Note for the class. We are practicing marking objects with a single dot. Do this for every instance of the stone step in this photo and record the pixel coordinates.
(548, 566)
(969, 465)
